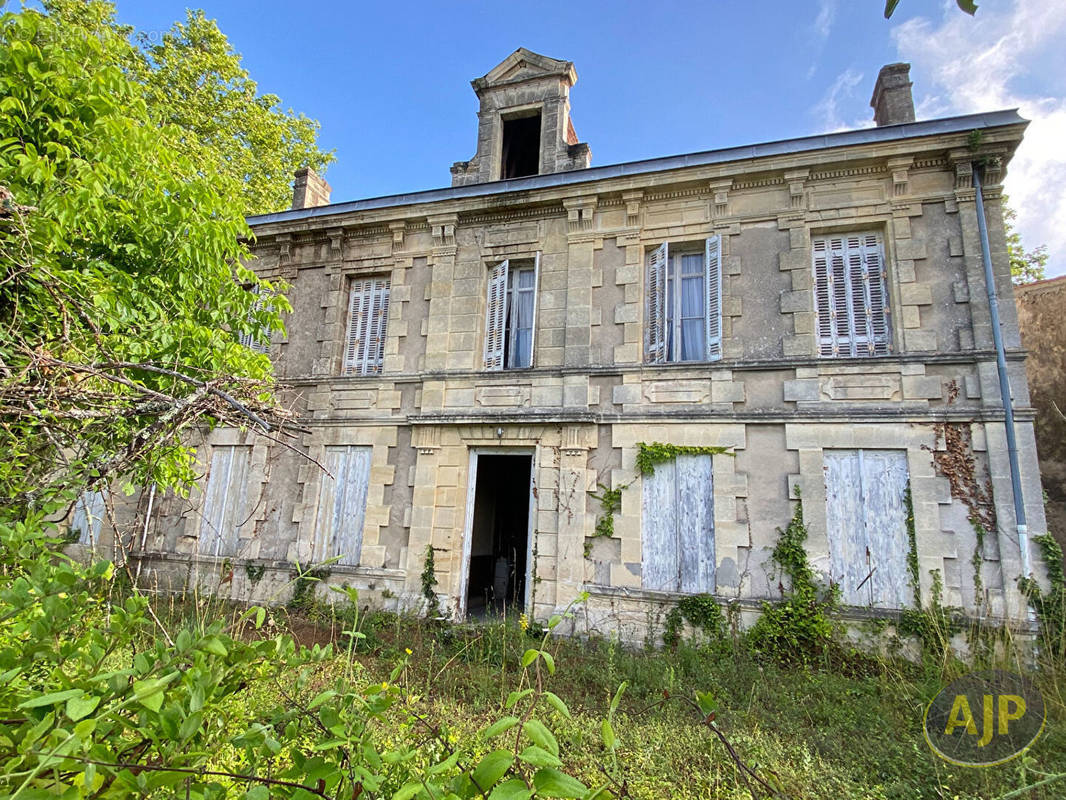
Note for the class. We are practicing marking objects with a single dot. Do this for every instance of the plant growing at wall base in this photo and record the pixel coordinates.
(429, 582)
(798, 629)
(1049, 605)
(701, 611)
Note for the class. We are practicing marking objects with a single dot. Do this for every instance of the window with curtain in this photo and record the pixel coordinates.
(684, 303)
(510, 314)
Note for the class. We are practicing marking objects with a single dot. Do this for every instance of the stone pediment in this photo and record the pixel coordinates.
(524, 65)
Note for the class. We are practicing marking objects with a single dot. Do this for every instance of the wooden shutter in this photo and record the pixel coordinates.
(866, 526)
(660, 568)
(655, 323)
(712, 263)
(677, 530)
(88, 517)
(368, 313)
(695, 518)
(342, 505)
(246, 339)
(223, 511)
(850, 294)
(496, 316)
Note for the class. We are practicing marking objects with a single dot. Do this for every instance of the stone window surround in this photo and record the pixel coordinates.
(309, 477)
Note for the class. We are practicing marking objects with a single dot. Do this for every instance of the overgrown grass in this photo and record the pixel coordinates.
(850, 728)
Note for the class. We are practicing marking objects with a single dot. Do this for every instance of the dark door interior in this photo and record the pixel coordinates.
(500, 535)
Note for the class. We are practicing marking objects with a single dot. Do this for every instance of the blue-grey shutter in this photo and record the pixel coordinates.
(88, 517)
(712, 261)
(496, 316)
(342, 505)
(866, 525)
(655, 321)
(677, 526)
(223, 511)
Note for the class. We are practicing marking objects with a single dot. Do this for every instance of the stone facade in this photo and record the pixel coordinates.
(772, 405)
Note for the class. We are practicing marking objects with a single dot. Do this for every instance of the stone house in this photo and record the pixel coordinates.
(477, 364)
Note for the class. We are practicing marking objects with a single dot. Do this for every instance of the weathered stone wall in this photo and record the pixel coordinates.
(1041, 307)
(589, 399)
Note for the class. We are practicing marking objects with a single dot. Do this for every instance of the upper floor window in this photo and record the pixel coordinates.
(245, 337)
(684, 303)
(850, 296)
(368, 316)
(510, 314)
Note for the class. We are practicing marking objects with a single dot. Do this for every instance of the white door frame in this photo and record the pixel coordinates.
(468, 526)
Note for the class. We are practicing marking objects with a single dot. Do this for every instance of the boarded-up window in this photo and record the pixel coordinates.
(342, 505)
(684, 304)
(511, 314)
(851, 299)
(88, 517)
(866, 523)
(678, 526)
(368, 317)
(224, 512)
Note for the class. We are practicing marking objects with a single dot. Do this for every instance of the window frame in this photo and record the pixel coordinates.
(688, 547)
(231, 497)
(500, 350)
(859, 340)
(664, 276)
(366, 325)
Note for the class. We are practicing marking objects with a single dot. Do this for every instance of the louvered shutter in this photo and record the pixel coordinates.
(712, 263)
(655, 323)
(823, 298)
(368, 314)
(496, 316)
(247, 339)
(851, 299)
(379, 316)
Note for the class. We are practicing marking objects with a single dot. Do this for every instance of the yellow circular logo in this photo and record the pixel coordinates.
(984, 718)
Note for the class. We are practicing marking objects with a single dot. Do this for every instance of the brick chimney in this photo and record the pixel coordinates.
(892, 101)
(309, 189)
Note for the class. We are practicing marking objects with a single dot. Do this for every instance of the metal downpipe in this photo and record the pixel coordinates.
(1004, 383)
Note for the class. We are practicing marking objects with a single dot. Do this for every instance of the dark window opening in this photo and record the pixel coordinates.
(500, 536)
(521, 147)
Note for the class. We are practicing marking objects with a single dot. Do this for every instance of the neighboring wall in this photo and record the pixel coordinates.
(1041, 312)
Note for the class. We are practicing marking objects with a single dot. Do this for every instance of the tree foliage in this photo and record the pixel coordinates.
(1026, 266)
(969, 6)
(194, 80)
(122, 290)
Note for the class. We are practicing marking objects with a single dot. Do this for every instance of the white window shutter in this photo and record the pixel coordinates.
(379, 316)
(496, 316)
(712, 263)
(358, 320)
(342, 505)
(536, 291)
(223, 511)
(850, 294)
(823, 301)
(655, 324)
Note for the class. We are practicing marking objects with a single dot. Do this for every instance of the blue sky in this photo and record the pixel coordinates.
(390, 82)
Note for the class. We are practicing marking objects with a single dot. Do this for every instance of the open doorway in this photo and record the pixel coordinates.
(497, 572)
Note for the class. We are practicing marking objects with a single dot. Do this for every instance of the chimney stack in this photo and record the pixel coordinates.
(309, 189)
(892, 101)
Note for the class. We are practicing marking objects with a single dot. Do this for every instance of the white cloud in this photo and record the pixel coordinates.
(820, 30)
(963, 64)
(840, 94)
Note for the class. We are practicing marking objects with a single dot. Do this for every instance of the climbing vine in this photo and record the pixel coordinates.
(934, 625)
(254, 572)
(701, 611)
(429, 582)
(303, 587)
(912, 549)
(798, 629)
(1050, 606)
(611, 502)
(956, 463)
(648, 455)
